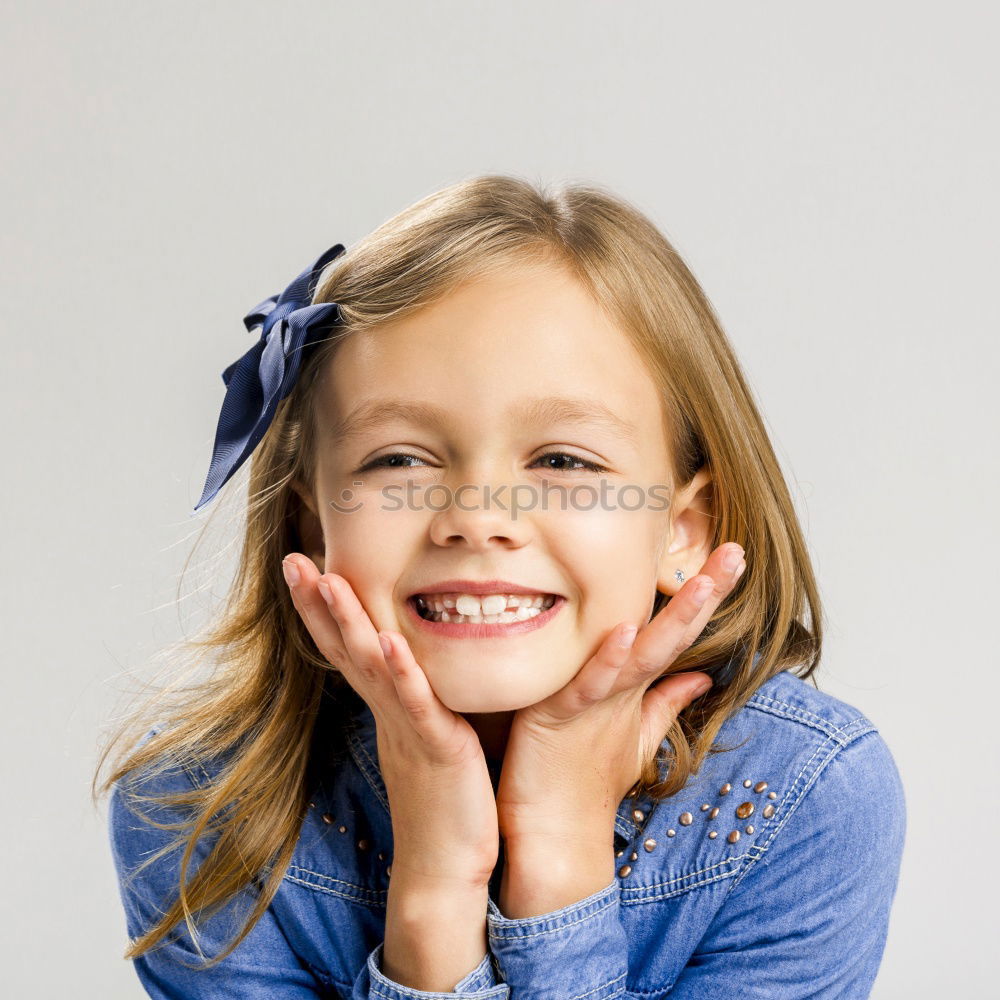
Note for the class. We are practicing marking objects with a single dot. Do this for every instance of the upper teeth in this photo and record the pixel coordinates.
(485, 604)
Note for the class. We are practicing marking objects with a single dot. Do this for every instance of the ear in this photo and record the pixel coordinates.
(689, 535)
(309, 526)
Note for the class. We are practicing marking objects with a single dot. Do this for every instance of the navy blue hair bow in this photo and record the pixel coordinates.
(266, 374)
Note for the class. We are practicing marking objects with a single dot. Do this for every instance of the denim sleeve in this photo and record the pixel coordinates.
(262, 967)
(577, 951)
(480, 984)
(809, 917)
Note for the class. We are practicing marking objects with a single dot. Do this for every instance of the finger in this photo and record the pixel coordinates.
(677, 625)
(723, 567)
(433, 721)
(664, 701)
(667, 635)
(313, 611)
(372, 684)
(359, 635)
(597, 677)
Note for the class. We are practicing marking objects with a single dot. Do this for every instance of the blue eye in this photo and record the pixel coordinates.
(384, 462)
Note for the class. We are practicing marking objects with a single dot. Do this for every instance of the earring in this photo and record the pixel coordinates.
(679, 575)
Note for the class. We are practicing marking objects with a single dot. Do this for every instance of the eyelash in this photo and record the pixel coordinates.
(378, 462)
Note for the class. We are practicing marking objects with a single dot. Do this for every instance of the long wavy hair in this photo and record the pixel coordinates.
(276, 709)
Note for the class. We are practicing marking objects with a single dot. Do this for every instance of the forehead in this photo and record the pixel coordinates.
(370, 415)
(529, 345)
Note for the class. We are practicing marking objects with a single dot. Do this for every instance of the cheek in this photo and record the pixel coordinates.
(375, 528)
(370, 550)
(610, 556)
(607, 560)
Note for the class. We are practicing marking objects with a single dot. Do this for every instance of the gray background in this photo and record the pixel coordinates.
(829, 173)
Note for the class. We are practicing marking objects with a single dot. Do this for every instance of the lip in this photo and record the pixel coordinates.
(479, 587)
(455, 630)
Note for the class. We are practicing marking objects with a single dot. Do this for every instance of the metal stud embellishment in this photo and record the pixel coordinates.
(639, 817)
(363, 844)
(742, 811)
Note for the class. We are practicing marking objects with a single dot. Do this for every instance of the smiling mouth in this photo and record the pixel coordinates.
(516, 608)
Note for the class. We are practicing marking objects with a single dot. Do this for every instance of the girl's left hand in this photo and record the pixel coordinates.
(571, 759)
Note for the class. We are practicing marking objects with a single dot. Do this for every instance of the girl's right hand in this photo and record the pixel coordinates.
(444, 816)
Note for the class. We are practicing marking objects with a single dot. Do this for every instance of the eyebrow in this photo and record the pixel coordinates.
(541, 410)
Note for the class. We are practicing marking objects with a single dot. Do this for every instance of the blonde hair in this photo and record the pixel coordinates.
(274, 707)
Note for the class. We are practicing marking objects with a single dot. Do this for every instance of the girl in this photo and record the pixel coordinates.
(510, 694)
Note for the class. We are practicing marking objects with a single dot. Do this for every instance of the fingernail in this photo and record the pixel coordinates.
(385, 644)
(291, 573)
(702, 688)
(627, 637)
(324, 589)
(732, 559)
(739, 571)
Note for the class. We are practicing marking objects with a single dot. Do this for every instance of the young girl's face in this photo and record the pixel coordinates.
(475, 363)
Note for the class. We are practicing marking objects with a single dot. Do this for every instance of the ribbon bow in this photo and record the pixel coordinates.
(266, 374)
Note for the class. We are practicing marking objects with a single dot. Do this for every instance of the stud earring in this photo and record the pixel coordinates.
(679, 575)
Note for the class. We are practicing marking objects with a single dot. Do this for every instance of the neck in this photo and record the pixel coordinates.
(492, 728)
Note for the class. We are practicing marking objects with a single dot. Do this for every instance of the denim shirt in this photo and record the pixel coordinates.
(771, 874)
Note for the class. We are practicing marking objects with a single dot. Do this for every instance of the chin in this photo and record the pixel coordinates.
(481, 699)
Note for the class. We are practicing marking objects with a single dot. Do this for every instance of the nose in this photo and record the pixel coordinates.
(481, 515)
